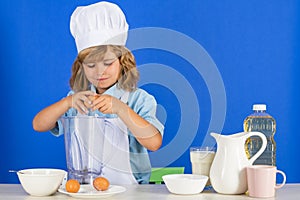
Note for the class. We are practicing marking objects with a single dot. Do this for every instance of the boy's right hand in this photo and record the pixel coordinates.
(81, 101)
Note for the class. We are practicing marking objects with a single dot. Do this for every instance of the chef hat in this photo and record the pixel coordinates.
(101, 23)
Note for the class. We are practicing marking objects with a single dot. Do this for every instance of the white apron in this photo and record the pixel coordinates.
(116, 155)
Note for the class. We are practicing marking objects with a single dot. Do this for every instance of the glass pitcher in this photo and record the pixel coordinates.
(85, 137)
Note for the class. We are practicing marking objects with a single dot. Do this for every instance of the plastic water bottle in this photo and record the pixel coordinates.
(261, 121)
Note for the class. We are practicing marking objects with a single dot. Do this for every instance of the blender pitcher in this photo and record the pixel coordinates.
(84, 145)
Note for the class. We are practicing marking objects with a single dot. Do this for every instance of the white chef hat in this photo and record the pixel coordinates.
(101, 23)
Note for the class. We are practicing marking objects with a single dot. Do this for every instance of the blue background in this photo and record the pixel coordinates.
(254, 44)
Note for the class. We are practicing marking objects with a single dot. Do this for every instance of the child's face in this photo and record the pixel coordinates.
(103, 74)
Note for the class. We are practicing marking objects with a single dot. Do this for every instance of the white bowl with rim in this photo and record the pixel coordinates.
(41, 181)
(185, 183)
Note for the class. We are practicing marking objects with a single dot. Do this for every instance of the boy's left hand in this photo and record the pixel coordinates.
(106, 104)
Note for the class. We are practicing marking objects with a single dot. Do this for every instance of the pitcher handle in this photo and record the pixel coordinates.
(262, 148)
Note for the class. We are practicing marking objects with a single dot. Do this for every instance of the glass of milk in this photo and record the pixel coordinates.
(201, 159)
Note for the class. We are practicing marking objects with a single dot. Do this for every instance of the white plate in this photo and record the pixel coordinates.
(88, 191)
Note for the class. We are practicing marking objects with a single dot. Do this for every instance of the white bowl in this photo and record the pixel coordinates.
(41, 182)
(185, 183)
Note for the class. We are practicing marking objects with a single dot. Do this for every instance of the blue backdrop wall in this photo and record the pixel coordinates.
(205, 61)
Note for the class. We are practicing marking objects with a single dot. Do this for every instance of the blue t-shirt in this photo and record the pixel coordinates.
(144, 105)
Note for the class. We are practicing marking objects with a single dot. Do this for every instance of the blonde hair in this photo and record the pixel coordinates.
(129, 74)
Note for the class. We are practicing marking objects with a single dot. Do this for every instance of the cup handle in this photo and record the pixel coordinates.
(284, 179)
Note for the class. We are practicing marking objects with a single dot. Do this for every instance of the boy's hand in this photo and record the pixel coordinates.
(81, 101)
(107, 104)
